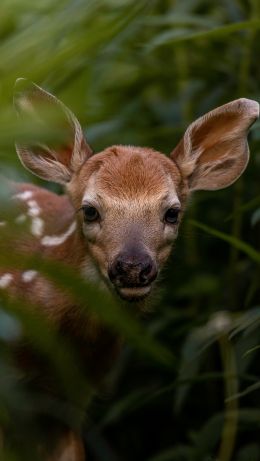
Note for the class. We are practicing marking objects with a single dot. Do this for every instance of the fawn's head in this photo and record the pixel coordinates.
(130, 200)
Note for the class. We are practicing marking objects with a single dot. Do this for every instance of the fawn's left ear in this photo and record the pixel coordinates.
(214, 152)
(57, 159)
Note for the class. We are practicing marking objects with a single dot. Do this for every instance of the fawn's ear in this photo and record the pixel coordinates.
(60, 157)
(214, 152)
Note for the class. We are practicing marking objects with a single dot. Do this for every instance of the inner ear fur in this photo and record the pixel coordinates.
(214, 152)
(52, 161)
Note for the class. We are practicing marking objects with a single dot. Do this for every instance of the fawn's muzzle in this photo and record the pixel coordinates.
(132, 270)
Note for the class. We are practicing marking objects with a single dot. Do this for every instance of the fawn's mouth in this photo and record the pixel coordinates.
(133, 293)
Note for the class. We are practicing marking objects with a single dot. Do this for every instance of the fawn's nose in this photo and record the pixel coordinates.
(132, 270)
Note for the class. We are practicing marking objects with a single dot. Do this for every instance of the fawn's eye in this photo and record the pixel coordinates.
(171, 215)
(91, 214)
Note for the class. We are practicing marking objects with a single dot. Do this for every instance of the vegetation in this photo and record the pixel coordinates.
(186, 386)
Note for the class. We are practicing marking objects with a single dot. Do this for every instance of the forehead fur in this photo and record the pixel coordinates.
(129, 172)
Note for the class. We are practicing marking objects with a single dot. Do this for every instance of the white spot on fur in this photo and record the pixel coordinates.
(2, 223)
(34, 212)
(34, 209)
(29, 276)
(53, 240)
(37, 227)
(25, 195)
(5, 280)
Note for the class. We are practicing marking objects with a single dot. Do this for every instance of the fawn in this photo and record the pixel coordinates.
(119, 217)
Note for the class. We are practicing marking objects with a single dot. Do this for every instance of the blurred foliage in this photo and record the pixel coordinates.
(138, 73)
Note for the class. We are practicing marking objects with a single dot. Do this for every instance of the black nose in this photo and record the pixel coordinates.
(132, 270)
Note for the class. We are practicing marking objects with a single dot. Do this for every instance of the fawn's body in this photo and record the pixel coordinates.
(41, 233)
(118, 221)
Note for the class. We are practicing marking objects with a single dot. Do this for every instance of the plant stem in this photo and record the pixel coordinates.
(228, 438)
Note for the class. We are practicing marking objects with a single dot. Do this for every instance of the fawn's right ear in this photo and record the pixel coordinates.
(55, 161)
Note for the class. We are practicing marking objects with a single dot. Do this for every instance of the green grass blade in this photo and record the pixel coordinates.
(170, 37)
(239, 244)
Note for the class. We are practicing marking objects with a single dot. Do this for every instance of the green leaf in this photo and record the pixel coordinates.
(233, 241)
(247, 322)
(174, 38)
(245, 207)
(248, 390)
